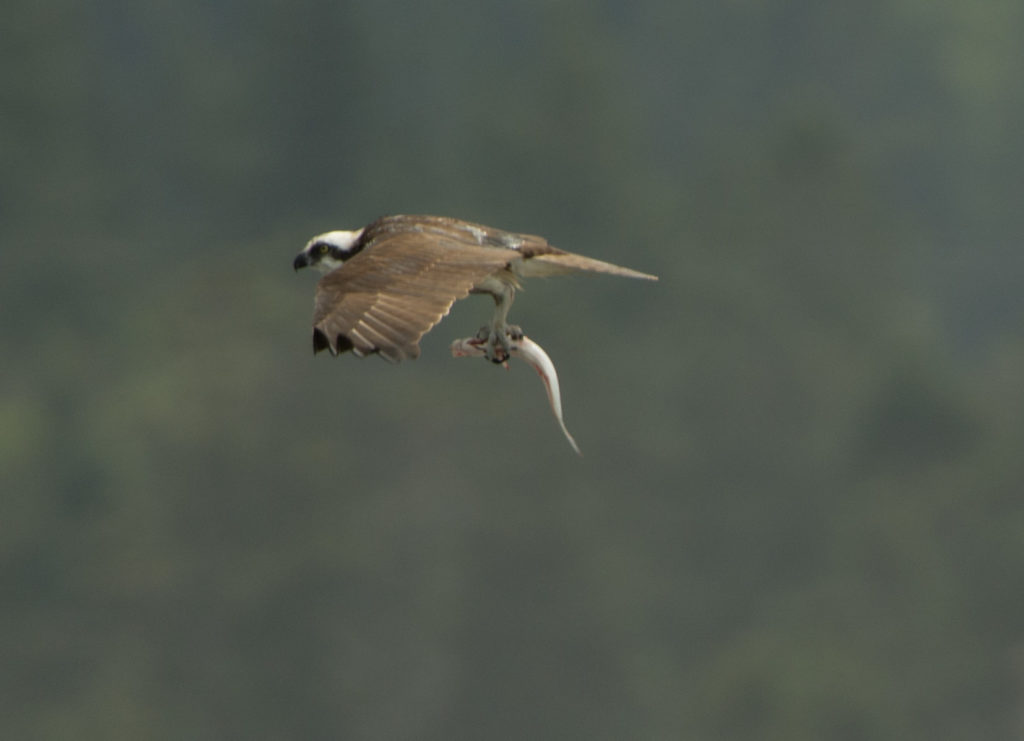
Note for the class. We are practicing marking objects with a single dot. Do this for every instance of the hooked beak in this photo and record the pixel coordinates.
(301, 261)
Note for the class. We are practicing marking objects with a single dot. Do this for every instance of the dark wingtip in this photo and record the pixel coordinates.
(319, 341)
(342, 344)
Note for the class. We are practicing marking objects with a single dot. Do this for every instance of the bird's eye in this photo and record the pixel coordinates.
(323, 249)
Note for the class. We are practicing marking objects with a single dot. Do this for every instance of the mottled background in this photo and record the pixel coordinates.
(799, 514)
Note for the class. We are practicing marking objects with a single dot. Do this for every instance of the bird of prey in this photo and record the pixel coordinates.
(389, 283)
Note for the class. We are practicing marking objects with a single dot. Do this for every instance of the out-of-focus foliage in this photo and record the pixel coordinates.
(799, 515)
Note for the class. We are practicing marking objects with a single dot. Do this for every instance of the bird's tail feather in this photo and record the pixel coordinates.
(542, 266)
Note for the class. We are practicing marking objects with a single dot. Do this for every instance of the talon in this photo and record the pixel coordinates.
(497, 342)
(498, 353)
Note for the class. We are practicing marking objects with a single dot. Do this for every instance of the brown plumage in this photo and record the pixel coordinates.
(389, 283)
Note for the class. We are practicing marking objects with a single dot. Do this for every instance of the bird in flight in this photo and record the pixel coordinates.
(387, 284)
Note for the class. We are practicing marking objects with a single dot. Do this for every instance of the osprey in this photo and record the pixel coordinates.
(389, 283)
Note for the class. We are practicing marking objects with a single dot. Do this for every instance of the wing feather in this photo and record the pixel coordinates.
(384, 299)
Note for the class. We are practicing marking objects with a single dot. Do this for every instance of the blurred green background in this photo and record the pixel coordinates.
(799, 515)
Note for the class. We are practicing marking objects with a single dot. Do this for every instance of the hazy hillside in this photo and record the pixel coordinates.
(798, 515)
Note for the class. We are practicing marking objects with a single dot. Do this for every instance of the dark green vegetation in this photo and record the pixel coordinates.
(800, 512)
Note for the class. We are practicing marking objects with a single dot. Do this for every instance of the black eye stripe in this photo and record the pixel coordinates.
(319, 250)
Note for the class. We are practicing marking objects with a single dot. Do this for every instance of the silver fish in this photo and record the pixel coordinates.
(532, 353)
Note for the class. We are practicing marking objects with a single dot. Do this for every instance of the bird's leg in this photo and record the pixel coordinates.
(498, 334)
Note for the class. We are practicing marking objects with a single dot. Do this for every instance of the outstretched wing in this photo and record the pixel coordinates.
(394, 291)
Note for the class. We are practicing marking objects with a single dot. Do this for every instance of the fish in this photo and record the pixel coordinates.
(524, 348)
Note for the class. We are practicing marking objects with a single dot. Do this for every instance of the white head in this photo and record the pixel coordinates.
(327, 252)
